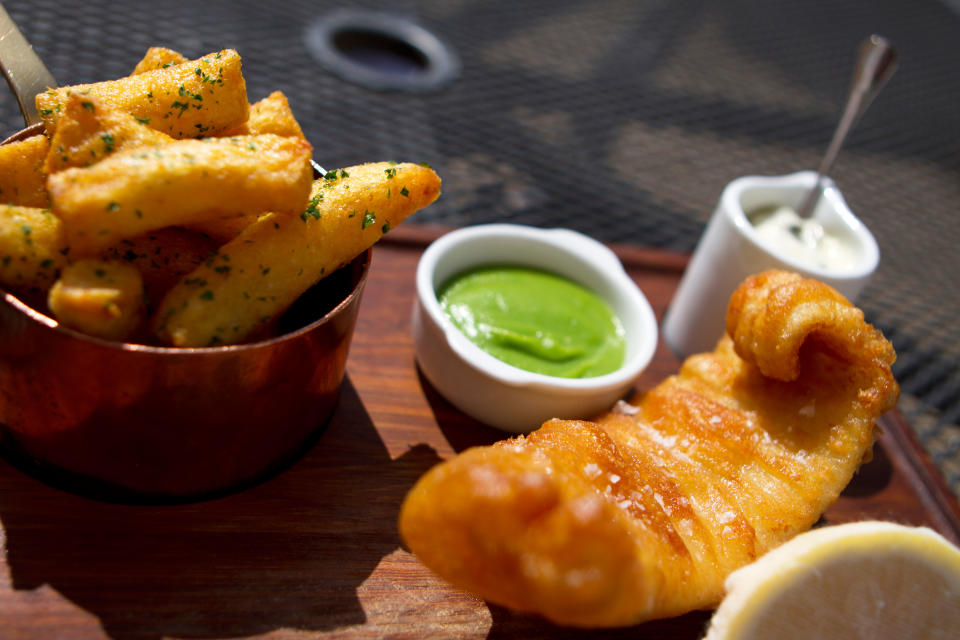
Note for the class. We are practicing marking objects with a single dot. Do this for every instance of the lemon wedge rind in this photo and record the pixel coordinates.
(865, 579)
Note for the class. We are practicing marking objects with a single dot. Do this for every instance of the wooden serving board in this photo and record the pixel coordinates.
(314, 551)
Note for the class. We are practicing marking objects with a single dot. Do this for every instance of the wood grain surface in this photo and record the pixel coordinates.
(313, 552)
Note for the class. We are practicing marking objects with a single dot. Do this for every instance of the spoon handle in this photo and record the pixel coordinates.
(25, 72)
(876, 62)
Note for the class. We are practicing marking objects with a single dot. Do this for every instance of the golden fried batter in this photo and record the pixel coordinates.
(643, 512)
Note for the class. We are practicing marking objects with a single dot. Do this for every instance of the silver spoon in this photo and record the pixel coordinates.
(876, 62)
(25, 72)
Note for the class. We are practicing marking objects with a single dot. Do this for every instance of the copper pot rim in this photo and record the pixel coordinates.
(51, 324)
(36, 316)
(27, 132)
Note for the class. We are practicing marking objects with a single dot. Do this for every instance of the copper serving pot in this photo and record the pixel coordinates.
(130, 422)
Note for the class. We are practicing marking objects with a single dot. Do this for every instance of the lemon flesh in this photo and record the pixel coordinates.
(874, 580)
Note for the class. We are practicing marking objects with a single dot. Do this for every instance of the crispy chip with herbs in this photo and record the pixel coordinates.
(270, 115)
(31, 247)
(142, 189)
(187, 100)
(90, 130)
(255, 277)
(158, 58)
(99, 298)
(22, 179)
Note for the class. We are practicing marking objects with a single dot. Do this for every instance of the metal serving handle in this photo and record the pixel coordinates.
(876, 62)
(24, 70)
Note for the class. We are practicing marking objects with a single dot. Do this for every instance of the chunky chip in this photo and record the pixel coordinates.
(186, 100)
(158, 58)
(254, 278)
(90, 130)
(31, 247)
(99, 298)
(22, 179)
(135, 191)
(270, 115)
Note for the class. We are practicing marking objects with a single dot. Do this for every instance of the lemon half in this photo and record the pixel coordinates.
(874, 580)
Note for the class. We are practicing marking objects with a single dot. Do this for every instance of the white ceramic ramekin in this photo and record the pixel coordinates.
(497, 393)
(731, 249)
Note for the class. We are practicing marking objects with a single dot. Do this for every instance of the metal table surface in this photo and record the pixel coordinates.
(623, 119)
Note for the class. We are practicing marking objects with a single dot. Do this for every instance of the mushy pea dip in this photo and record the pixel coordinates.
(535, 320)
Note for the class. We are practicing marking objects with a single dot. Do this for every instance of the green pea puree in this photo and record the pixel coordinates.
(535, 320)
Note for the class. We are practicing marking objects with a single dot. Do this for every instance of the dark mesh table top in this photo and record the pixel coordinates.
(623, 119)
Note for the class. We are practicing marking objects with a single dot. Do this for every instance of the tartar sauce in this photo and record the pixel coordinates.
(804, 240)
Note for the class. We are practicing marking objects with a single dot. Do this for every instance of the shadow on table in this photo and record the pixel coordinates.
(288, 553)
(460, 430)
(872, 477)
(508, 625)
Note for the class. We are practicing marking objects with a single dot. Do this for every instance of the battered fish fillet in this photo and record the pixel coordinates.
(643, 512)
